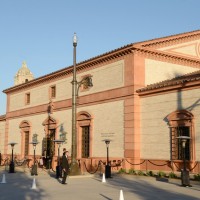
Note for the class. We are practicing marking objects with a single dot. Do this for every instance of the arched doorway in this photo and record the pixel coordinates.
(48, 146)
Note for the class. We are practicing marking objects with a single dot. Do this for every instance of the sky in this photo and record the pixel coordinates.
(40, 32)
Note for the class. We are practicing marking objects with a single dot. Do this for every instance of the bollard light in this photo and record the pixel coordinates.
(107, 167)
(34, 166)
(185, 176)
(12, 164)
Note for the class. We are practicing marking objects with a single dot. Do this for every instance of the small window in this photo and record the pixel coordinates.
(27, 98)
(53, 91)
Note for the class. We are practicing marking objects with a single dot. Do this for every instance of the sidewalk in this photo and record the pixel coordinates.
(90, 187)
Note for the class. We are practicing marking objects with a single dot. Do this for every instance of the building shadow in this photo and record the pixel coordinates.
(19, 186)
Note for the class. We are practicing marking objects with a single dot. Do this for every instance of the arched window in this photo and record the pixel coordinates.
(84, 134)
(25, 132)
(181, 124)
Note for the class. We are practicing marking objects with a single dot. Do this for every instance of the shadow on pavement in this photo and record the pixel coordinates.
(150, 189)
(19, 186)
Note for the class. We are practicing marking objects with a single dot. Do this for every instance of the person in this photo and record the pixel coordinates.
(65, 166)
(60, 170)
(64, 149)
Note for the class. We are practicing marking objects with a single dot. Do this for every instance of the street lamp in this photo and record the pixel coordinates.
(185, 177)
(75, 170)
(58, 169)
(107, 167)
(12, 164)
(34, 167)
(34, 143)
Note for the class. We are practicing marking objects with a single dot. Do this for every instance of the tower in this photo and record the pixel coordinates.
(23, 75)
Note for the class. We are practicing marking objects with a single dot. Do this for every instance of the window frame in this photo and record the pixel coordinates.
(52, 92)
(26, 143)
(85, 151)
(177, 119)
(27, 98)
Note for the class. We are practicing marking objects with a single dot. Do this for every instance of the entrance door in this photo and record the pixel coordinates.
(49, 148)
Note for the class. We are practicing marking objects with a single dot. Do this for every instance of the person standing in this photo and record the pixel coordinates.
(65, 166)
(60, 170)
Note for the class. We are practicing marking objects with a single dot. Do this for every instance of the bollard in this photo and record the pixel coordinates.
(121, 196)
(3, 179)
(34, 184)
(103, 178)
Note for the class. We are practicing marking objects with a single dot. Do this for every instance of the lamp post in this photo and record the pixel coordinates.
(74, 168)
(58, 169)
(12, 164)
(107, 167)
(185, 177)
(34, 143)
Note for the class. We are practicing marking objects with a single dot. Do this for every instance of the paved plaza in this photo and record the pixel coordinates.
(21, 186)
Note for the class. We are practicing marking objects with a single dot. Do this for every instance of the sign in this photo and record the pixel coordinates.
(107, 135)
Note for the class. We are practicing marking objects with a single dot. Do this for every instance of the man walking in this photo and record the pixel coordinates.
(65, 166)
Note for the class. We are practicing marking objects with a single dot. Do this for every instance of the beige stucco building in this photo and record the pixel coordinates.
(136, 101)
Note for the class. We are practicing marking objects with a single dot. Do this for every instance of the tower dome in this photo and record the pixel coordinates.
(23, 75)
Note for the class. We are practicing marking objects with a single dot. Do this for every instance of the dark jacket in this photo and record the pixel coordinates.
(64, 163)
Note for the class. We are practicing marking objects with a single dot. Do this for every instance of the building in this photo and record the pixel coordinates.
(140, 94)
(174, 105)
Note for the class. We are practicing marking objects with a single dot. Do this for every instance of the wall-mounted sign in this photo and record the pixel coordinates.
(107, 135)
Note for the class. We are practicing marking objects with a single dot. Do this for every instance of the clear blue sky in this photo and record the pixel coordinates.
(40, 32)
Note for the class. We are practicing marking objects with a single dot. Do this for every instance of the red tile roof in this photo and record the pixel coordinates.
(190, 77)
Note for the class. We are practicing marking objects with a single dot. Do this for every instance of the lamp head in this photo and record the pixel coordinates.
(34, 143)
(107, 141)
(89, 80)
(183, 140)
(58, 141)
(12, 144)
(75, 39)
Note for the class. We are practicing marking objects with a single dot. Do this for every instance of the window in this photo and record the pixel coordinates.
(27, 98)
(53, 91)
(25, 132)
(26, 143)
(177, 150)
(84, 136)
(85, 141)
(181, 124)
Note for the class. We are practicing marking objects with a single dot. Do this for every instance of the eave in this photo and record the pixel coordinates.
(120, 52)
(2, 117)
(179, 84)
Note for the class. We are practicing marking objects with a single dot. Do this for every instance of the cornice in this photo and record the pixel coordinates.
(140, 47)
(171, 40)
(182, 60)
(117, 53)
